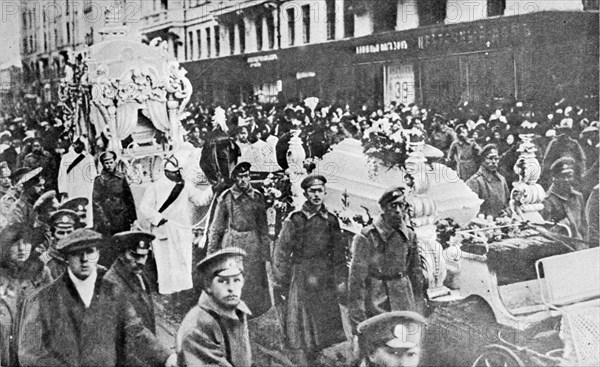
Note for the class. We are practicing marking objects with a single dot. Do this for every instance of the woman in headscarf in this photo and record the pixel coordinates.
(20, 275)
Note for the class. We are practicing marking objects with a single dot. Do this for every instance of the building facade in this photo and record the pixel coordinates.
(436, 52)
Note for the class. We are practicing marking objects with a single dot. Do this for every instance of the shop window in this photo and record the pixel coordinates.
(306, 23)
(431, 12)
(231, 32)
(330, 5)
(190, 55)
(591, 4)
(208, 42)
(199, 40)
(217, 41)
(291, 21)
(386, 14)
(242, 29)
(348, 19)
(271, 30)
(259, 33)
(495, 7)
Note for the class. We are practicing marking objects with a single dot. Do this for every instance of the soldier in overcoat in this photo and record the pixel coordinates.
(215, 331)
(240, 220)
(309, 271)
(127, 275)
(385, 271)
(114, 208)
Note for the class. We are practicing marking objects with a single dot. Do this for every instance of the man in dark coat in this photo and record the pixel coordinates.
(564, 204)
(385, 270)
(563, 146)
(309, 271)
(83, 320)
(240, 220)
(114, 208)
(39, 157)
(128, 277)
(489, 185)
(215, 331)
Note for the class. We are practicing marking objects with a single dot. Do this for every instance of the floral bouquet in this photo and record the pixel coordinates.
(277, 189)
(388, 142)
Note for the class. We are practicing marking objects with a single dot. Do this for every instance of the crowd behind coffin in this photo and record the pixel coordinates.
(67, 210)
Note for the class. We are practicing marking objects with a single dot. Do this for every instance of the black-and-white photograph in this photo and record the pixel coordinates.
(299, 183)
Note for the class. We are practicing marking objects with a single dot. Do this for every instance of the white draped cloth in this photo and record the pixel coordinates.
(173, 244)
(79, 182)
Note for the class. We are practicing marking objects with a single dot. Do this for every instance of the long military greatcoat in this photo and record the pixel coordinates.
(385, 272)
(240, 220)
(57, 329)
(115, 208)
(130, 285)
(212, 336)
(308, 264)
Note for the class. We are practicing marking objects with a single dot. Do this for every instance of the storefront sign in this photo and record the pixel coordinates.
(256, 61)
(483, 34)
(381, 47)
(399, 84)
(305, 74)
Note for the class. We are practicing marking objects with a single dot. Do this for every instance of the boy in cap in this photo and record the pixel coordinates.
(392, 339)
(215, 331)
(309, 274)
(489, 185)
(240, 220)
(167, 207)
(128, 277)
(80, 206)
(385, 270)
(33, 187)
(563, 204)
(82, 320)
(114, 208)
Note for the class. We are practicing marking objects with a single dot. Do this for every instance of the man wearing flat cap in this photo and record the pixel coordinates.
(62, 223)
(240, 220)
(215, 331)
(385, 270)
(392, 339)
(489, 185)
(563, 204)
(128, 277)
(309, 275)
(21, 211)
(167, 207)
(114, 208)
(81, 319)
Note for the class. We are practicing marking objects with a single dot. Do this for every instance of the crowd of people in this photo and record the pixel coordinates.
(74, 246)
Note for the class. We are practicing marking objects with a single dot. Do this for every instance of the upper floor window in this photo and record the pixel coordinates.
(259, 32)
(348, 20)
(271, 30)
(217, 41)
(431, 12)
(231, 32)
(164, 4)
(306, 23)
(591, 4)
(291, 21)
(190, 55)
(242, 30)
(330, 5)
(208, 42)
(386, 15)
(495, 7)
(199, 40)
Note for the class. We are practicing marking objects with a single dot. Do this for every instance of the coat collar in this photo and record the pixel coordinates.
(207, 302)
(237, 192)
(386, 230)
(128, 277)
(572, 193)
(489, 176)
(310, 212)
